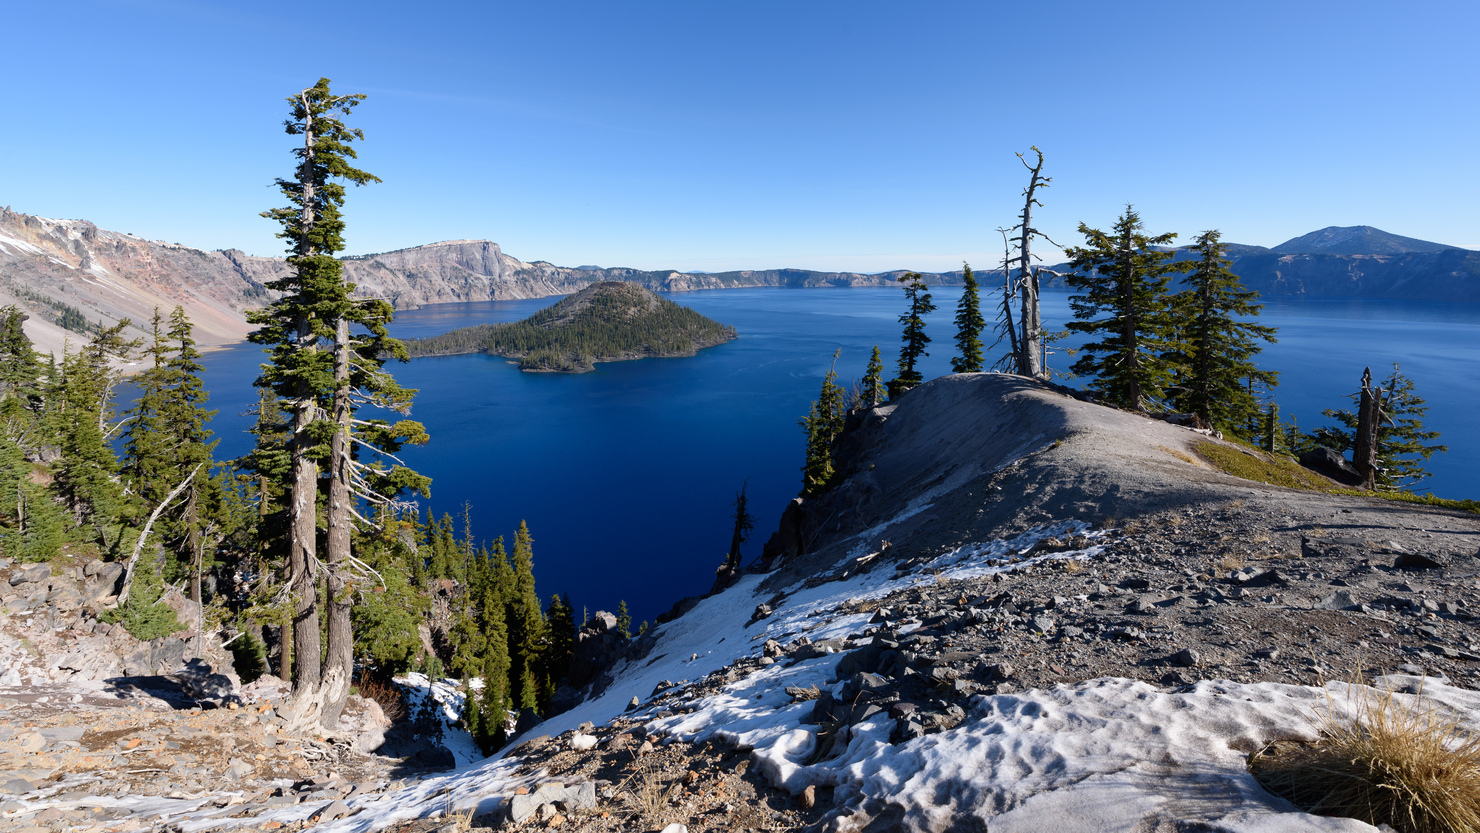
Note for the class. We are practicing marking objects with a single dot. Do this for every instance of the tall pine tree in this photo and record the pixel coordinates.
(1215, 353)
(914, 337)
(823, 423)
(969, 326)
(327, 353)
(1122, 279)
(873, 380)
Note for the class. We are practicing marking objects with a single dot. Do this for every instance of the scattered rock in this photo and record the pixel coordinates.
(1414, 561)
(33, 573)
(1185, 658)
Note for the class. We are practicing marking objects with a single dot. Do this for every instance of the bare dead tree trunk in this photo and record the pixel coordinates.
(340, 664)
(1030, 346)
(1364, 451)
(1007, 293)
(133, 559)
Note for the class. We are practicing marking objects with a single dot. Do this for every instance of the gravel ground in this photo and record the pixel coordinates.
(1198, 575)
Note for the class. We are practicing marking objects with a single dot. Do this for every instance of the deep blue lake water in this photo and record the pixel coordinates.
(626, 475)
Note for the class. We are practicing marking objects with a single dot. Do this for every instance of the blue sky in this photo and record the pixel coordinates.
(721, 135)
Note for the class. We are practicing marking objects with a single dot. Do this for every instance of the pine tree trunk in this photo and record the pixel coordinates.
(340, 521)
(302, 549)
(1364, 451)
(303, 497)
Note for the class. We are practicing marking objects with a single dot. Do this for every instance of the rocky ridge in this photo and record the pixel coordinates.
(48, 266)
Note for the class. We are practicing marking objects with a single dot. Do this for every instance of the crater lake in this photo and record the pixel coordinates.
(627, 475)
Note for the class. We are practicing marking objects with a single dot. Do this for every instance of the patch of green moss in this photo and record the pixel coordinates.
(1261, 467)
(1410, 497)
(1256, 465)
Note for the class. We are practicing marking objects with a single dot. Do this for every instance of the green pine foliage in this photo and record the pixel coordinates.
(32, 526)
(914, 338)
(87, 473)
(386, 615)
(744, 525)
(823, 425)
(1122, 279)
(969, 326)
(527, 628)
(561, 645)
(166, 436)
(605, 322)
(1403, 444)
(144, 615)
(624, 620)
(873, 380)
(1217, 342)
(248, 657)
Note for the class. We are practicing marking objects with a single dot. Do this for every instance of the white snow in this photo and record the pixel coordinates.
(9, 242)
(448, 696)
(1105, 755)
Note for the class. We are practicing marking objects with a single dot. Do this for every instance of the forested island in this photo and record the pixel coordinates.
(605, 322)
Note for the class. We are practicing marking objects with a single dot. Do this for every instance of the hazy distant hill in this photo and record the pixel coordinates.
(1357, 240)
(1354, 262)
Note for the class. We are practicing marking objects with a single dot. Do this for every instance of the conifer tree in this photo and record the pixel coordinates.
(823, 423)
(86, 472)
(31, 524)
(1123, 277)
(167, 434)
(873, 380)
(1402, 440)
(969, 326)
(320, 369)
(143, 615)
(527, 631)
(1214, 359)
(560, 619)
(914, 336)
(744, 523)
(21, 398)
(624, 620)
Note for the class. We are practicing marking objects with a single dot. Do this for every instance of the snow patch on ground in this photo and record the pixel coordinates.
(1104, 755)
(445, 696)
(8, 242)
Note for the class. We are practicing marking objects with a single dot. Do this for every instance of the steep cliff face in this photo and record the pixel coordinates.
(50, 266)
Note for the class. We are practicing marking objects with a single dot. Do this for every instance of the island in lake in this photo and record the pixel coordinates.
(605, 322)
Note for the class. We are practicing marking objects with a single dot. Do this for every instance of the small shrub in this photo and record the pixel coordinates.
(1397, 762)
(248, 657)
(144, 615)
(386, 695)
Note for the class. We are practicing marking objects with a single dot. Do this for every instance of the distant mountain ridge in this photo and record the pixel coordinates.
(48, 267)
(1357, 240)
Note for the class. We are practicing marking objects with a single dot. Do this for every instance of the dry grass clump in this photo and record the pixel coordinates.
(648, 796)
(1398, 762)
(799, 693)
(387, 695)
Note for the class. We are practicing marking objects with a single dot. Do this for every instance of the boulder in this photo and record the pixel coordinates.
(1331, 464)
(200, 682)
(552, 795)
(35, 572)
